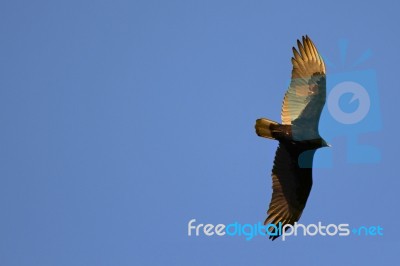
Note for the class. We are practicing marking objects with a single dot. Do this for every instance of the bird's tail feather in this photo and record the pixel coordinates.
(265, 128)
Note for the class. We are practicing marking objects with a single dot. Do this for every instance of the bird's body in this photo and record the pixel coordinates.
(298, 136)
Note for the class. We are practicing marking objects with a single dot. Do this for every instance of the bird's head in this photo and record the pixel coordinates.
(325, 144)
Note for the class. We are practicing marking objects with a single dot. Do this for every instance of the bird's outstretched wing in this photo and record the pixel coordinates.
(305, 98)
(291, 186)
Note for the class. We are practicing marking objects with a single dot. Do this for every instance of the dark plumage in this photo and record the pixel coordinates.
(298, 135)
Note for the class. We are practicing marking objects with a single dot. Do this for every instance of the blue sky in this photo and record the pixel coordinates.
(123, 120)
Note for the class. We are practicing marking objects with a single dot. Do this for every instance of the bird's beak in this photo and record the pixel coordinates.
(328, 145)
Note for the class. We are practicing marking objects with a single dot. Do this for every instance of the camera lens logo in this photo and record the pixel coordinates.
(358, 92)
(352, 114)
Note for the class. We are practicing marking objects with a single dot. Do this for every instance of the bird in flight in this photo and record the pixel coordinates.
(298, 136)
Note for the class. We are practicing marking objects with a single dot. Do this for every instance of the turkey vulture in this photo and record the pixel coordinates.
(298, 136)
